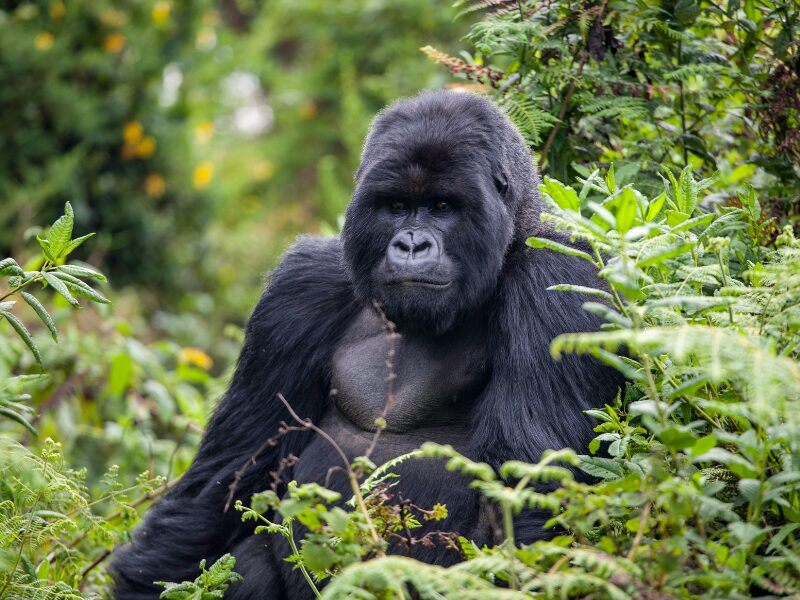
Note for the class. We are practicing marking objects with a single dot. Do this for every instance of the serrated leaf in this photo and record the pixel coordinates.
(8, 266)
(564, 196)
(78, 271)
(40, 310)
(75, 243)
(23, 332)
(676, 217)
(60, 287)
(604, 468)
(45, 245)
(60, 234)
(81, 288)
(537, 242)
(694, 222)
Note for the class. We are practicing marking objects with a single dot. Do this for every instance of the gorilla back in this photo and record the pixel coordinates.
(445, 197)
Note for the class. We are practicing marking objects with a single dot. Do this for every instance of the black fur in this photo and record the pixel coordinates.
(441, 144)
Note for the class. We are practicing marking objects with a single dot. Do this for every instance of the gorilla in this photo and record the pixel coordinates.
(435, 236)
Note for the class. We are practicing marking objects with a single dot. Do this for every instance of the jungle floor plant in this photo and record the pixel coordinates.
(698, 460)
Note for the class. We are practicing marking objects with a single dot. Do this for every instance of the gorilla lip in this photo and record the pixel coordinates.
(436, 285)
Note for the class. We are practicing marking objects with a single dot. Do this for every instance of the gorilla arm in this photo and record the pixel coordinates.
(288, 346)
(534, 402)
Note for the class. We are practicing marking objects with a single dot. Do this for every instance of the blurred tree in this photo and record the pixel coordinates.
(198, 137)
(82, 117)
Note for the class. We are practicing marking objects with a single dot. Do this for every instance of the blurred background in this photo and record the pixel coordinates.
(197, 138)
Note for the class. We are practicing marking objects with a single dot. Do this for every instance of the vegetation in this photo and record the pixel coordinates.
(668, 135)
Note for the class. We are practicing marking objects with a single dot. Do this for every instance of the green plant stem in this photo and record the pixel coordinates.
(724, 283)
(508, 530)
(295, 551)
(38, 277)
(25, 532)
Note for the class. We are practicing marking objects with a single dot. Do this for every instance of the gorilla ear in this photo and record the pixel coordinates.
(501, 182)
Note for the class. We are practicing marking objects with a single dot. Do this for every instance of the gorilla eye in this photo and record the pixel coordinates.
(397, 205)
(441, 206)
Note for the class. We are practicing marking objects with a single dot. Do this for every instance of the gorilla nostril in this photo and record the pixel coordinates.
(402, 246)
(421, 247)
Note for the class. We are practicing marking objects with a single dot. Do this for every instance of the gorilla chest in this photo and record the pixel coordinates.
(424, 393)
(411, 380)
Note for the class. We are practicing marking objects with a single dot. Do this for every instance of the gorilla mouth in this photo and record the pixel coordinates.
(423, 283)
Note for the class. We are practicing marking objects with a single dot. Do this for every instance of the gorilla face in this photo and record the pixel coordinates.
(428, 227)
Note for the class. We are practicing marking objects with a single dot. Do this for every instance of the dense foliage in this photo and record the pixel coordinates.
(699, 477)
(714, 84)
(197, 137)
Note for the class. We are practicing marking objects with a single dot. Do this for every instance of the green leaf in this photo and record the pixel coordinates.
(75, 243)
(15, 416)
(655, 207)
(676, 217)
(537, 242)
(78, 271)
(566, 287)
(747, 533)
(45, 245)
(120, 374)
(703, 445)
(58, 238)
(317, 557)
(604, 468)
(677, 438)
(60, 287)
(625, 210)
(662, 255)
(749, 489)
(611, 181)
(40, 310)
(778, 538)
(693, 222)
(81, 288)
(23, 332)
(564, 196)
(8, 266)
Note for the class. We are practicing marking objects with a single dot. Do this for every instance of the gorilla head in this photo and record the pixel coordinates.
(445, 187)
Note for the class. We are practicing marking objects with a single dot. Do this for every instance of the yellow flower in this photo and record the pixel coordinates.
(132, 132)
(154, 185)
(204, 131)
(114, 42)
(146, 147)
(195, 357)
(160, 12)
(56, 9)
(203, 175)
(43, 40)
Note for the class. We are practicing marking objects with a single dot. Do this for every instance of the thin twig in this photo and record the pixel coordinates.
(563, 111)
(362, 507)
(100, 558)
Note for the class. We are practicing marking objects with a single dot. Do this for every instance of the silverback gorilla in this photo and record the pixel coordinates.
(445, 197)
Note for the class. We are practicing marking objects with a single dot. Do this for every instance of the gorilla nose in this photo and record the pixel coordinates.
(412, 245)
